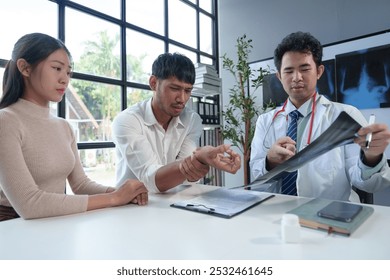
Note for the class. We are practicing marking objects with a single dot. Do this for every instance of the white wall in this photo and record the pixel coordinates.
(267, 22)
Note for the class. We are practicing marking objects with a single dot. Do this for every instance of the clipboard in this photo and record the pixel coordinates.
(223, 202)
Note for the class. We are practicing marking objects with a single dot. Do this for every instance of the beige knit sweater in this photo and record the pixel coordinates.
(38, 152)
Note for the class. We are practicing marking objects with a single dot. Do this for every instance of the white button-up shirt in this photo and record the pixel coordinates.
(143, 146)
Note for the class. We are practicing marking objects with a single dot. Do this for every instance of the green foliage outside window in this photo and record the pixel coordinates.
(103, 100)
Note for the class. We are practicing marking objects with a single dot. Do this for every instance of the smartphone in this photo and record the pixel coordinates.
(340, 211)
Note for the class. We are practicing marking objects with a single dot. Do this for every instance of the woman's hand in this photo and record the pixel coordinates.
(132, 191)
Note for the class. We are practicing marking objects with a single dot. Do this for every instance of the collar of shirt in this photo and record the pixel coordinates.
(150, 118)
(305, 109)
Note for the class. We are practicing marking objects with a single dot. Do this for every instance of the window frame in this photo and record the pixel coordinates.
(124, 25)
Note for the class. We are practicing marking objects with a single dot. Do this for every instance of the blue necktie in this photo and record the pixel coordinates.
(289, 181)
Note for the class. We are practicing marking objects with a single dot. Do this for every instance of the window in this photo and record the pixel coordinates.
(35, 16)
(147, 14)
(113, 45)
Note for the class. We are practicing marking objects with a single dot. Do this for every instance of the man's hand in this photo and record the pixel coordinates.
(193, 169)
(379, 142)
(220, 157)
(283, 149)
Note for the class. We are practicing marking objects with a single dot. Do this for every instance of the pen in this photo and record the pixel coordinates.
(369, 135)
(201, 207)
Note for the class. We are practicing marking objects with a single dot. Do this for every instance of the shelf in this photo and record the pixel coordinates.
(201, 92)
(210, 126)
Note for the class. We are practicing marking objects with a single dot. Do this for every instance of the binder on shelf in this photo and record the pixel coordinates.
(223, 202)
(308, 217)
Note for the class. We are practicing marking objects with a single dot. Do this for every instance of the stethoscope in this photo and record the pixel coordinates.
(313, 108)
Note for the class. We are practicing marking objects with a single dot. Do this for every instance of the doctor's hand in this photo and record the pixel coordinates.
(220, 157)
(379, 141)
(283, 149)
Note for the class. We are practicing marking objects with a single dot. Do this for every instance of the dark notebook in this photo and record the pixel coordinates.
(308, 217)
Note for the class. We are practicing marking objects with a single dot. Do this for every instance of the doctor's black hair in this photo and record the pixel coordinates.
(299, 41)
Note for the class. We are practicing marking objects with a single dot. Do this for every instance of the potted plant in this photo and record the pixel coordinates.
(241, 112)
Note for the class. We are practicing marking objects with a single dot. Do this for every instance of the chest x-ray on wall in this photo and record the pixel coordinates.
(359, 78)
(356, 73)
(273, 90)
(363, 78)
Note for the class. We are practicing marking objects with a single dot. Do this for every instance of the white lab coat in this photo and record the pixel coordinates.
(328, 176)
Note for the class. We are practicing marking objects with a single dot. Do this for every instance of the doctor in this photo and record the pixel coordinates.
(298, 59)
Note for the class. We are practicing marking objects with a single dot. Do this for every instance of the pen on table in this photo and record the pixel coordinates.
(369, 135)
(201, 207)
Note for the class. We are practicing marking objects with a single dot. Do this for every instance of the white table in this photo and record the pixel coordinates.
(158, 231)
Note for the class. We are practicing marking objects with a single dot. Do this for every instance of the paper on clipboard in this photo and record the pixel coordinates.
(223, 202)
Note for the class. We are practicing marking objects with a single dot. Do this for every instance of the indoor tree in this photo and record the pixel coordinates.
(241, 113)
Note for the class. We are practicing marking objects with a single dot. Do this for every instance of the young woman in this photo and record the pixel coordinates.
(38, 151)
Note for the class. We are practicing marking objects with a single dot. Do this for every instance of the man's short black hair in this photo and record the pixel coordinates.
(169, 65)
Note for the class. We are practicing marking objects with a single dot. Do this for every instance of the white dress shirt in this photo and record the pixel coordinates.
(143, 146)
(331, 174)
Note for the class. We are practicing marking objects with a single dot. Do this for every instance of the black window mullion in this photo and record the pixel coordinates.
(124, 25)
(166, 27)
(123, 56)
(61, 35)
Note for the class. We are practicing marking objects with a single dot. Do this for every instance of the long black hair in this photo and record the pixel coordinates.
(33, 48)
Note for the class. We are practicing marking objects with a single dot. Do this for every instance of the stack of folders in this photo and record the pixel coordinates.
(207, 78)
(308, 214)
